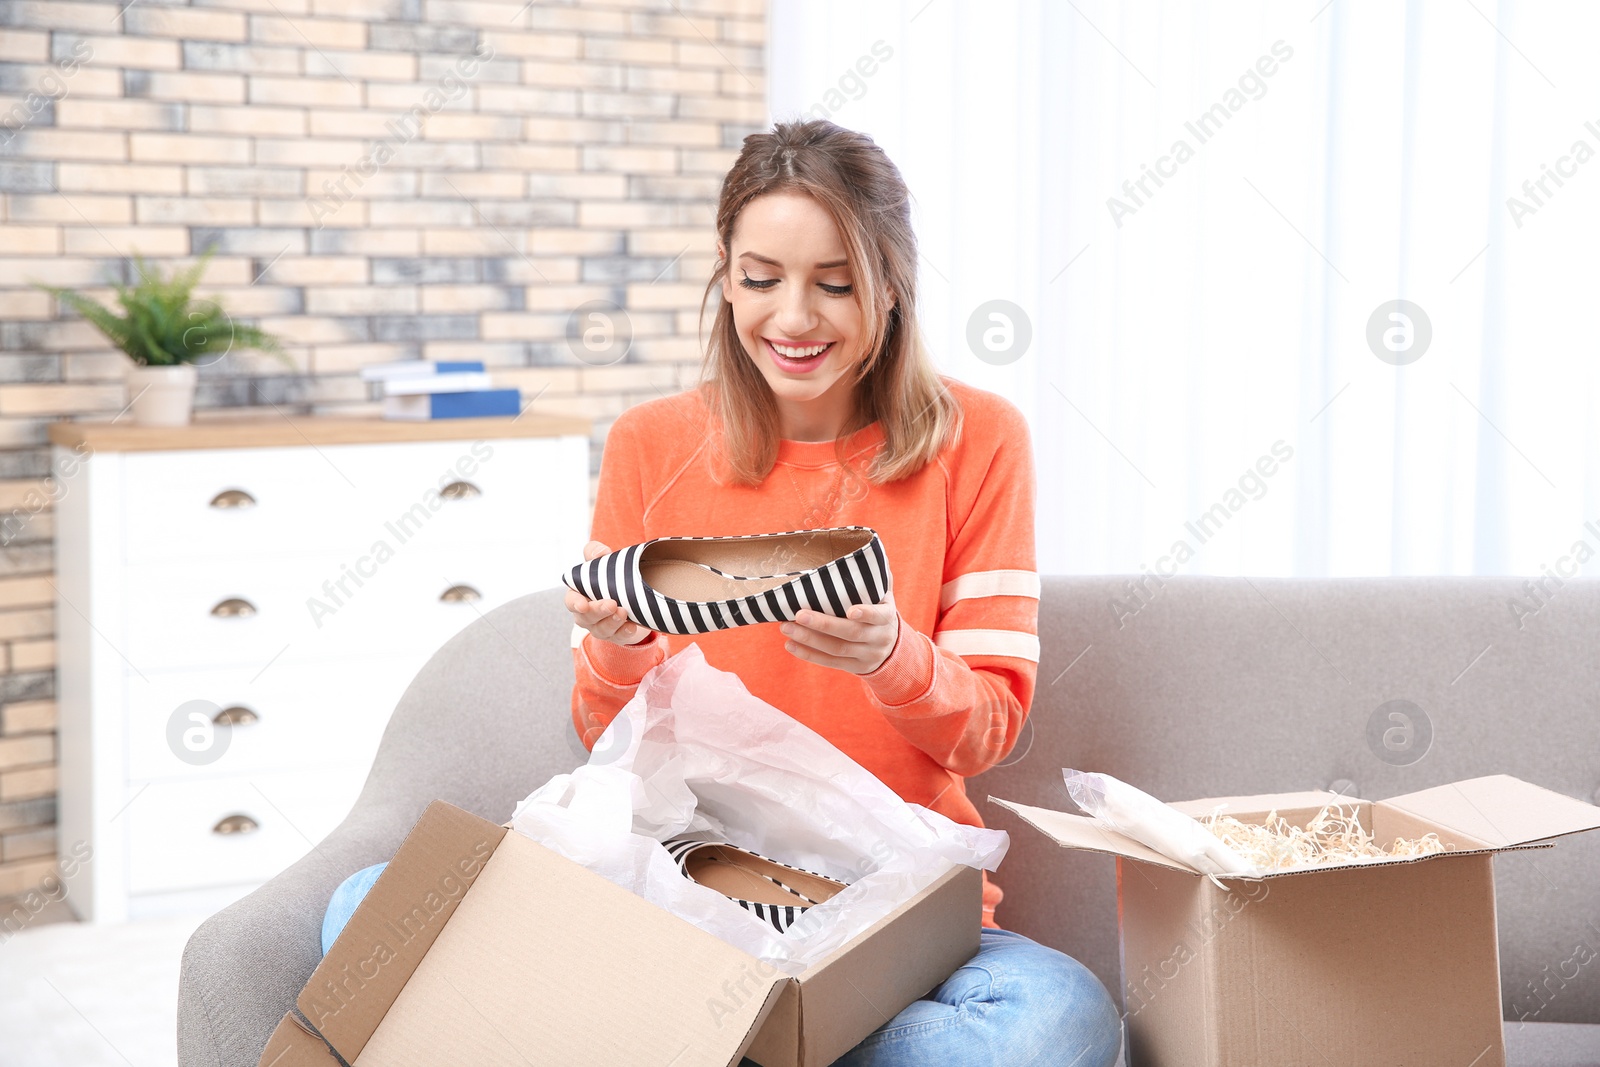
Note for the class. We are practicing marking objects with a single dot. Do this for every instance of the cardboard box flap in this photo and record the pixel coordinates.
(1082, 832)
(292, 1045)
(1499, 810)
(545, 961)
(399, 919)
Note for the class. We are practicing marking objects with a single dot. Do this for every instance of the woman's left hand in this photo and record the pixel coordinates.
(858, 643)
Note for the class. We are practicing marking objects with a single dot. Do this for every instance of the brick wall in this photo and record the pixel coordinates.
(544, 155)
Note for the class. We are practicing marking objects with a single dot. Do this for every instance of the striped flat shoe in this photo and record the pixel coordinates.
(775, 892)
(695, 585)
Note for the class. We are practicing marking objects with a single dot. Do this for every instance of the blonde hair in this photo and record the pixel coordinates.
(896, 383)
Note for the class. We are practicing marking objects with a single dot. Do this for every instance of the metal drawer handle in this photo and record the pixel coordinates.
(460, 594)
(236, 824)
(238, 715)
(233, 498)
(233, 608)
(460, 491)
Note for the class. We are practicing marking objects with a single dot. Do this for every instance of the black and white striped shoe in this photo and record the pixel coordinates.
(695, 585)
(775, 892)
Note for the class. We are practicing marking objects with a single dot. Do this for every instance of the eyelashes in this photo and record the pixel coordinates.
(767, 283)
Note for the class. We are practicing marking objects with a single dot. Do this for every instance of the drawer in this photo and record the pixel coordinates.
(173, 841)
(291, 501)
(312, 608)
(243, 501)
(532, 492)
(293, 715)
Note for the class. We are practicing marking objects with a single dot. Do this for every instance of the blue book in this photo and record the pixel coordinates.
(474, 405)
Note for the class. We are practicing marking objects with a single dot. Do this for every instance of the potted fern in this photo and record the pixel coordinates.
(166, 333)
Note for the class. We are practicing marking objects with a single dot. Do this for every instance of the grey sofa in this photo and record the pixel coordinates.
(1211, 687)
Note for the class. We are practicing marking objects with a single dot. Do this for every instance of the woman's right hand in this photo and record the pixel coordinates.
(604, 619)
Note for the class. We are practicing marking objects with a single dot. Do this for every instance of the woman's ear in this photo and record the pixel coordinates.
(727, 280)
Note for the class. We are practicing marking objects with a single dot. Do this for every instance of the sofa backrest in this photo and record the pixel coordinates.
(1201, 687)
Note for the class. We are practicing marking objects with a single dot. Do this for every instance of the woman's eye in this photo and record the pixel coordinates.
(752, 283)
(837, 290)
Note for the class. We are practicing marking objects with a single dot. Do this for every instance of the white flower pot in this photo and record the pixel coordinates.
(162, 396)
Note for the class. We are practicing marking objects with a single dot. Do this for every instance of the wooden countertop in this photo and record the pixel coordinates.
(279, 431)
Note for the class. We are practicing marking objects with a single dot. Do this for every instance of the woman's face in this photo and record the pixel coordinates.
(790, 286)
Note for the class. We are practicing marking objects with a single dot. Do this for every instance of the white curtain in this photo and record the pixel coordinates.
(1199, 374)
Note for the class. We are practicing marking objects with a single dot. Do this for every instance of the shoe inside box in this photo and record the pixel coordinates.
(742, 876)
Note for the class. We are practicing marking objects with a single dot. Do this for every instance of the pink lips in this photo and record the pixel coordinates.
(785, 363)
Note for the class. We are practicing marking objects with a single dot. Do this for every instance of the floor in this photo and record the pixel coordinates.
(76, 995)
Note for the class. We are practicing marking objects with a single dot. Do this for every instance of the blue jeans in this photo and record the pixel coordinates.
(1016, 1003)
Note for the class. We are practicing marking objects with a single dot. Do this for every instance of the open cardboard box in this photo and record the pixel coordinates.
(479, 946)
(1388, 962)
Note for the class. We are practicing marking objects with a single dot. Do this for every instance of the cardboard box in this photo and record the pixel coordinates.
(479, 946)
(1391, 962)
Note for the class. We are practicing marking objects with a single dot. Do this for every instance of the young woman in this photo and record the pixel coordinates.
(820, 407)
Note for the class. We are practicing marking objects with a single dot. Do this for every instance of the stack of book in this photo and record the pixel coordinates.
(421, 389)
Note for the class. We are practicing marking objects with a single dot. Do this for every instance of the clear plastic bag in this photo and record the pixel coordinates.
(695, 751)
(1136, 814)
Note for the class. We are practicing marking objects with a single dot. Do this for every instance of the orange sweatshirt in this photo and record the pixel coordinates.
(951, 698)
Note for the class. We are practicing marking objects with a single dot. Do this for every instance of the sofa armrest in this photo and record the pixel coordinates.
(485, 722)
(244, 966)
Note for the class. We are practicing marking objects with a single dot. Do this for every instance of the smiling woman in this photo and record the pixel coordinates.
(819, 405)
(815, 247)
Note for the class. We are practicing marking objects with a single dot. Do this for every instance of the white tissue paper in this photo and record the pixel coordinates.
(694, 751)
(1136, 814)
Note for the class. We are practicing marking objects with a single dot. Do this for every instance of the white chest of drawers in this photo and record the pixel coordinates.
(239, 607)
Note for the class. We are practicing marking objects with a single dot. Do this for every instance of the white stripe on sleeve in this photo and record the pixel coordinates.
(989, 583)
(1012, 643)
